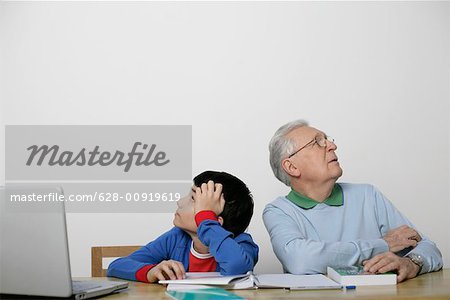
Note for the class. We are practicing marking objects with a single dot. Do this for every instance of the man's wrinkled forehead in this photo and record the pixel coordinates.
(303, 134)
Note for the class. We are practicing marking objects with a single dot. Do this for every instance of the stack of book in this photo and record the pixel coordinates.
(212, 284)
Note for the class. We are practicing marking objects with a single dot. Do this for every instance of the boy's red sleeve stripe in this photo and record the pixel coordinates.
(141, 274)
(205, 215)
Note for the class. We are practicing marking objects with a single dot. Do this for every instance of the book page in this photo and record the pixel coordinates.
(210, 278)
(317, 281)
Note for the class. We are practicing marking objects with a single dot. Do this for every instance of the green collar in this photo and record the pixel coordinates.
(335, 199)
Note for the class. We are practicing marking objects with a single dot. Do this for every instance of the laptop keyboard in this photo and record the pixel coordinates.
(81, 286)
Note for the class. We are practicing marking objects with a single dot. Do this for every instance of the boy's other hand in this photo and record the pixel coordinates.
(209, 197)
(167, 269)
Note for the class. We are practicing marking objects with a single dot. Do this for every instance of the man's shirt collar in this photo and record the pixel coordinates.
(335, 199)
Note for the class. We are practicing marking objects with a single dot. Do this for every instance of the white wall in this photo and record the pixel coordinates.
(373, 75)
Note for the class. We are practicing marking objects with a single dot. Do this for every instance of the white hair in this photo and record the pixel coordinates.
(281, 147)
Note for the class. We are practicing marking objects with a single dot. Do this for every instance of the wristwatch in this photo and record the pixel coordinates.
(417, 259)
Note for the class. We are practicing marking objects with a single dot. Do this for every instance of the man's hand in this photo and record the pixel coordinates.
(209, 197)
(401, 238)
(389, 261)
(167, 269)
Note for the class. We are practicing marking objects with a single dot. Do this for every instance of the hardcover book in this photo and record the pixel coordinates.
(356, 275)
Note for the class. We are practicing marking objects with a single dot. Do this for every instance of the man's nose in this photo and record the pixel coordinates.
(331, 145)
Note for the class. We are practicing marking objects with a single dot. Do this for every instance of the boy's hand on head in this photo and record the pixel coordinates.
(167, 269)
(209, 197)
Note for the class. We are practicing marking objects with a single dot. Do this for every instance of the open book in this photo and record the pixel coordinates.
(251, 281)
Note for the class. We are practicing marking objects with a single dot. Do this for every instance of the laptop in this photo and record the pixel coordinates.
(34, 252)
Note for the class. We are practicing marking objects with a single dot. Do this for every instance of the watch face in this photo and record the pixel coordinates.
(417, 259)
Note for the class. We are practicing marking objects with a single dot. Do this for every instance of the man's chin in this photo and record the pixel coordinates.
(337, 173)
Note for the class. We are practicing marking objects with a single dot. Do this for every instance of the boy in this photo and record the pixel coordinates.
(208, 235)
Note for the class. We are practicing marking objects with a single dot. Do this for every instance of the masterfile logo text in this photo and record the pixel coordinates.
(90, 158)
(90, 152)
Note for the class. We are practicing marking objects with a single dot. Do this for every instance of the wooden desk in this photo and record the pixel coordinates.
(428, 286)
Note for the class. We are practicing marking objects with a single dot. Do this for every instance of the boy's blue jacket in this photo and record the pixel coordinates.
(233, 255)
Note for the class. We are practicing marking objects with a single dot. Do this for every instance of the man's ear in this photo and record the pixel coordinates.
(220, 220)
(290, 168)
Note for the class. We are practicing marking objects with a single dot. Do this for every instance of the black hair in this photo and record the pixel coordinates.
(238, 209)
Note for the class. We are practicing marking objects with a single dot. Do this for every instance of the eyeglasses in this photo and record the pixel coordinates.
(320, 140)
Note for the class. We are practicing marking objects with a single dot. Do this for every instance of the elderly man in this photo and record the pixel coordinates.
(322, 223)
